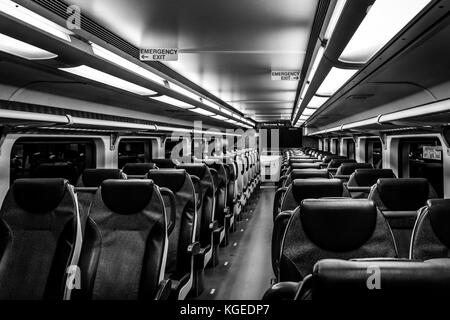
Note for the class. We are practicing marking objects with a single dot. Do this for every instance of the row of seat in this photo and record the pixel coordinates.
(148, 235)
(345, 228)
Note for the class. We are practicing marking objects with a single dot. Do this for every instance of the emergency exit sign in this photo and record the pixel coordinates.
(285, 75)
(159, 54)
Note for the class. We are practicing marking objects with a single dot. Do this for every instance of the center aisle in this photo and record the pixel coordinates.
(245, 269)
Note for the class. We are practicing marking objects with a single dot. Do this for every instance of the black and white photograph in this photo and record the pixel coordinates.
(224, 159)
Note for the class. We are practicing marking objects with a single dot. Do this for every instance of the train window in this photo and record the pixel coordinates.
(29, 155)
(422, 159)
(336, 146)
(374, 153)
(134, 151)
(350, 149)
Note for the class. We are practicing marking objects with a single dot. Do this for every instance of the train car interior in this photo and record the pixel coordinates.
(205, 150)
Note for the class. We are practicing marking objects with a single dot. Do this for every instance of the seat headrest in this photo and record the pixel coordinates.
(164, 163)
(309, 174)
(169, 178)
(340, 279)
(338, 225)
(127, 196)
(369, 177)
(195, 169)
(316, 188)
(93, 178)
(439, 213)
(336, 163)
(39, 195)
(403, 194)
(347, 169)
(138, 169)
(295, 166)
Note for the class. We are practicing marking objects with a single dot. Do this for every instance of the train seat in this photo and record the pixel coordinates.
(431, 235)
(361, 181)
(38, 236)
(125, 244)
(138, 170)
(179, 268)
(333, 228)
(399, 200)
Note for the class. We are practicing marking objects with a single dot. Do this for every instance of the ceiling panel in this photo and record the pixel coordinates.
(227, 47)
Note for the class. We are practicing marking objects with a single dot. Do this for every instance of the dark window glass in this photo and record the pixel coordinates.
(134, 151)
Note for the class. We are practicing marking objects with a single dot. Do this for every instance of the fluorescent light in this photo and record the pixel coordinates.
(210, 104)
(305, 90)
(308, 112)
(316, 102)
(124, 63)
(217, 117)
(23, 49)
(384, 20)
(174, 102)
(183, 91)
(227, 112)
(340, 4)
(203, 112)
(335, 80)
(319, 57)
(302, 117)
(105, 78)
(16, 11)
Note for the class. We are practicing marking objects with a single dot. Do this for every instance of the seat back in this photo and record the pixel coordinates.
(90, 180)
(295, 166)
(180, 183)
(125, 243)
(347, 169)
(361, 181)
(302, 189)
(38, 230)
(165, 163)
(231, 186)
(207, 206)
(306, 174)
(400, 200)
(431, 235)
(377, 279)
(333, 228)
(137, 170)
(221, 186)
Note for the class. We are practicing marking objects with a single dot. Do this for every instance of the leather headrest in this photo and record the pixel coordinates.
(316, 188)
(295, 160)
(369, 177)
(439, 213)
(340, 279)
(169, 178)
(347, 169)
(127, 196)
(403, 194)
(138, 169)
(164, 163)
(39, 195)
(338, 225)
(59, 170)
(195, 169)
(93, 178)
(309, 174)
(295, 166)
(230, 172)
(336, 163)
(221, 173)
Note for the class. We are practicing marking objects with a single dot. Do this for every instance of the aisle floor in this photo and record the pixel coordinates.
(244, 270)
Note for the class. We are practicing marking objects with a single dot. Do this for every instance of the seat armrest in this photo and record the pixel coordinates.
(164, 289)
(282, 291)
(194, 248)
(173, 208)
(277, 202)
(214, 225)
